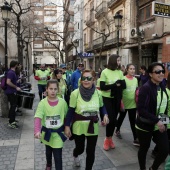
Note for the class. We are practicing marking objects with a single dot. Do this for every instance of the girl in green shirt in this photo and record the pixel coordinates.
(128, 99)
(49, 124)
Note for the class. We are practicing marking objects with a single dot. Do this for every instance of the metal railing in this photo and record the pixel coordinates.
(102, 8)
(90, 19)
(111, 3)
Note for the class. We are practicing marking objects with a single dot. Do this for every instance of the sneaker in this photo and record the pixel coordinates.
(106, 145)
(118, 135)
(13, 125)
(76, 162)
(136, 142)
(112, 145)
(48, 168)
(18, 114)
(16, 121)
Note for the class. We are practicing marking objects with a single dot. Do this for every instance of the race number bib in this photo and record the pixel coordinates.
(89, 113)
(53, 121)
(164, 119)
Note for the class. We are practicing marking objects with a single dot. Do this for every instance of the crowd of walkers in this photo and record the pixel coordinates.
(72, 103)
(74, 100)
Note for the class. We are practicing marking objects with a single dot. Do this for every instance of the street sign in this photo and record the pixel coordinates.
(160, 9)
(86, 55)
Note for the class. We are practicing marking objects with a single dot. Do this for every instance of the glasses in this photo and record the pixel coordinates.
(159, 71)
(86, 78)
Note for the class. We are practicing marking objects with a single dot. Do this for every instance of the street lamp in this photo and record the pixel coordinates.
(118, 24)
(6, 14)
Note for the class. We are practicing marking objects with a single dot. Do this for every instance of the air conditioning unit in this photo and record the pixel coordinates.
(133, 33)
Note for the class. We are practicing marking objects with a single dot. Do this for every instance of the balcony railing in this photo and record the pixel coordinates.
(101, 9)
(90, 19)
(111, 3)
(111, 40)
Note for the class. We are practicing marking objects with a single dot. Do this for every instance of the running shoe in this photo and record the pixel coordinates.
(118, 135)
(136, 142)
(112, 145)
(76, 162)
(106, 144)
(102, 123)
(13, 125)
(48, 168)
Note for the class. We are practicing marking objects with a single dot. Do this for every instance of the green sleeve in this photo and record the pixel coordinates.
(121, 75)
(167, 166)
(73, 98)
(36, 73)
(39, 112)
(103, 76)
(100, 98)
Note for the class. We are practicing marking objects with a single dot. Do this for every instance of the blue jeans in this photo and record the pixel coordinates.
(41, 89)
(57, 153)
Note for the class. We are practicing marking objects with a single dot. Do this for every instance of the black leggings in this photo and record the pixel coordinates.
(162, 143)
(132, 119)
(110, 105)
(57, 153)
(90, 148)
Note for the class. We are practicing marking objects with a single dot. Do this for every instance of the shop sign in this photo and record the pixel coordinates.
(86, 55)
(161, 9)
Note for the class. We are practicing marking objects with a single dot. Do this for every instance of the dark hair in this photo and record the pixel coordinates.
(13, 63)
(52, 81)
(151, 66)
(168, 81)
(127, 67)
(56, 71)
(143, 67)
(112, 63)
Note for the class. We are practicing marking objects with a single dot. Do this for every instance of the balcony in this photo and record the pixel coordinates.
(111, 40)
(88, 46)
(112, 2)
(90, 19)
(101, 10)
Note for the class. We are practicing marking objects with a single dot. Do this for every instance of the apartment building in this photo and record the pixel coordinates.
(100, 33)
(48, 18)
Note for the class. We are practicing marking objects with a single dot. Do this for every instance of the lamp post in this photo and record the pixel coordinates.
(118, 24)
(6, 14)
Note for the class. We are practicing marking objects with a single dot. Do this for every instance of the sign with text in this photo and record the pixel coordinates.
(161, 9)
(86, 55)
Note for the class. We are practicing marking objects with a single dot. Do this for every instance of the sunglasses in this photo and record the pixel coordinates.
(159, 71)
(86, 78)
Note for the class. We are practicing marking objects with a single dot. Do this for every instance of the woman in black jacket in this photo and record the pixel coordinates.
(152, 105)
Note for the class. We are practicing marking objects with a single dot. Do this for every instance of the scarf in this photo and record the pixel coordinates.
(86, 94)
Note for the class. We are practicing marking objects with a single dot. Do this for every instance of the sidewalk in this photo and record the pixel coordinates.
(20, 151)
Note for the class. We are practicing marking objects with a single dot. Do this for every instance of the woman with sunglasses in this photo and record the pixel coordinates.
(62, 90)
(152, 110)
(85, 104)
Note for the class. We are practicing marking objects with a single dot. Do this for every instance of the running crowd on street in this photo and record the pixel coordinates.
(74, 103)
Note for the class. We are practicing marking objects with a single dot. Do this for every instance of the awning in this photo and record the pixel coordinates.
(149, 42)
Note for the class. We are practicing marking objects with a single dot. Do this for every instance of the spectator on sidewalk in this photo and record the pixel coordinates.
(49, 124)
(11, 91)
(42, 75)
(144, 75)
(85, 104)
(76, 75)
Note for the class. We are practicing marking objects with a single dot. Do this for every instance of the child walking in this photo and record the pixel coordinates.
(49, 124)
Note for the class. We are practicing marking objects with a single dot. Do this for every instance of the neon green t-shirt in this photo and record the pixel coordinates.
(64, 76)
(162, 106)
(168, 92)
(110, 77)
(62, 88)
(81, 107)
(42, 74)
(129, 93)
(46, 112)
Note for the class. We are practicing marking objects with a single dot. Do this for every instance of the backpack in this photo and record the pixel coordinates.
(3, 81)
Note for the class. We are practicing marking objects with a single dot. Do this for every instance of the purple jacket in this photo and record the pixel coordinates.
(147, 101)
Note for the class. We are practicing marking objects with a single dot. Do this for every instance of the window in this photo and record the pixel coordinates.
(84, 38)
(38, 12)
(78, 25)
(145, 13)
(50, 13)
